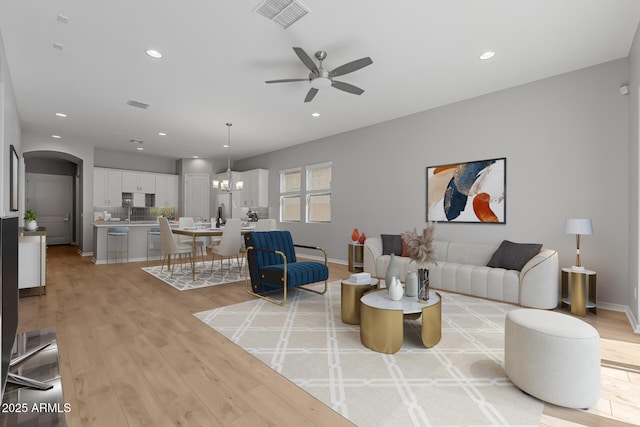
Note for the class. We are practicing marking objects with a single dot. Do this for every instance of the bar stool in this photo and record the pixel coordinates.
(120, 237)
(153, 231)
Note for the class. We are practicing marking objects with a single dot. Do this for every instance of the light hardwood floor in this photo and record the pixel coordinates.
(133, 355)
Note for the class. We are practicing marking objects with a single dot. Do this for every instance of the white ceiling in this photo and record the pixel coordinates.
(217, 55)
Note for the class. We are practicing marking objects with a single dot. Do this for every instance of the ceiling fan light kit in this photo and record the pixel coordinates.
(319, 78)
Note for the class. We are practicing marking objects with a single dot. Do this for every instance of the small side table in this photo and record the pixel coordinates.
(350, 294)
(579, 291)
(356, 251)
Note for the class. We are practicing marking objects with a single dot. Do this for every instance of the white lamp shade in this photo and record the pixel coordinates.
(578, 226)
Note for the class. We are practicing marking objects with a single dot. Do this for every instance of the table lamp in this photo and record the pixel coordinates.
(578, 226)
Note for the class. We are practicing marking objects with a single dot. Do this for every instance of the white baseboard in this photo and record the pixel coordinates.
(321, 258)
(633, 322)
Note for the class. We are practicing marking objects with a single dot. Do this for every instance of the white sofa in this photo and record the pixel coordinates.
(462, 268)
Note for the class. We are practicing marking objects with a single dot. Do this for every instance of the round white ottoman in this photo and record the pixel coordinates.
(553, 356)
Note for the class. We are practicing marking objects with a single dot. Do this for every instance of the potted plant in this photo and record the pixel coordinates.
(30, 220)
(421, 250)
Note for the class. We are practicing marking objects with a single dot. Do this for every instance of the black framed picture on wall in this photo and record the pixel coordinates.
(14, 169)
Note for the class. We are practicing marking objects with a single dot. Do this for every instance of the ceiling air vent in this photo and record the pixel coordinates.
(137, 104)
(282, 12)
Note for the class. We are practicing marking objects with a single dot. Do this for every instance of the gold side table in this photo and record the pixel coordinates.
(382, 320)
(350, 294)
(579, 291)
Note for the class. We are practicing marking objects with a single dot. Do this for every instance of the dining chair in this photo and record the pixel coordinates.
(265, 224)
(230, 243)
(170, 246)
(187, 222)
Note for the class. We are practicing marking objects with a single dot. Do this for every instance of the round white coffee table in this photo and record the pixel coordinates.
(381, 320)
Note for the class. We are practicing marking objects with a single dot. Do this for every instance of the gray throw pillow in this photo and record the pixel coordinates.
(391, 244)
(513, 256)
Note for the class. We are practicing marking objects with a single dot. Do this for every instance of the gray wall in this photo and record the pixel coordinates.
(138, 162)
(9, 129)
(634, 178)
(566, 143)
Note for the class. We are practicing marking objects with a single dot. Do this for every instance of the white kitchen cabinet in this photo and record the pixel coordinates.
(138, 182)
(166, 191)
(107, 187)
(255, 191)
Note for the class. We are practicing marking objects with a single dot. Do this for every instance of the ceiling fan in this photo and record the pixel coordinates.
(321, 78)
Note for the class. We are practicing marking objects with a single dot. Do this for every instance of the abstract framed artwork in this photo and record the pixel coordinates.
(13, 179)
(470, 192)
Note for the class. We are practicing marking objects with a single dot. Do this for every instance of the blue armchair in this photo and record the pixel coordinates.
(272, 265)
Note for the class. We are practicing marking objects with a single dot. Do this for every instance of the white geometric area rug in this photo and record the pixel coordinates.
(182, 275)
(460, 381)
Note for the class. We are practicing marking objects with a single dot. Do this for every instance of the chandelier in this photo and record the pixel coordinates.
(228, 184)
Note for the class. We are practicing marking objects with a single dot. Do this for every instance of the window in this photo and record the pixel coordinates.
(290, 195)
(317, 194)
(318, 199)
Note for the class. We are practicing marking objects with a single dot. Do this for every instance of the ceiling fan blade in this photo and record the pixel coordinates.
(306, 59)
(350, 67)
(287, 80)
(347, 87)
(312, 92)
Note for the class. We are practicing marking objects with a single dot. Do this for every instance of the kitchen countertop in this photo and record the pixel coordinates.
(125, 224)
(139, 224)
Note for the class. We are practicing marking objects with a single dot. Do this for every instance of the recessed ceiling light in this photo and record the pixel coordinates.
(487, 55)
(61, 115)
(56, 136)
(162, 134)
(315, 114)
(154, 53)
(225, 146)
(139, 148)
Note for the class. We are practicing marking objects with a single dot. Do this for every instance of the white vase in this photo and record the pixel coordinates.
(411, 284)
(30, 225)
(392, 270)
(395, 290)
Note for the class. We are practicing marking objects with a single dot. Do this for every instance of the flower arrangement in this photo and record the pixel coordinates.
(421, 250)
(420, 246)
(168, 212)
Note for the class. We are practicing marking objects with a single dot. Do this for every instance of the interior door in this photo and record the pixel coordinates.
(51, 198)
(196, 199)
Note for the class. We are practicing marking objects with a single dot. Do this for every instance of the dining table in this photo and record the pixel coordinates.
(198, 231)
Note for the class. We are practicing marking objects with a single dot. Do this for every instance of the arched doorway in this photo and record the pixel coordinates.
(54, 191)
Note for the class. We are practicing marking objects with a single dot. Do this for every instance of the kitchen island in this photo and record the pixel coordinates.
(137, 240)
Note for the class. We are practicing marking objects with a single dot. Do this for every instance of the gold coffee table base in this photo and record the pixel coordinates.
(382, 330)
(350, 294)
